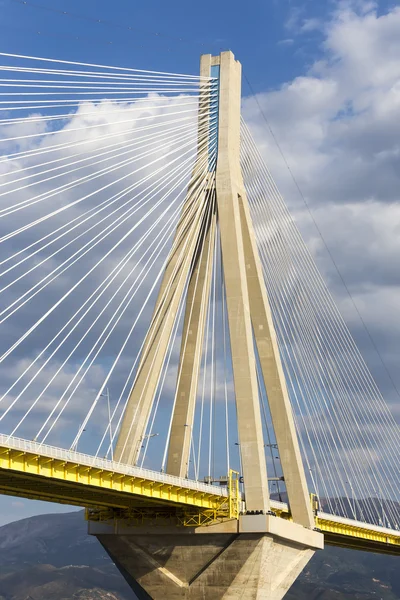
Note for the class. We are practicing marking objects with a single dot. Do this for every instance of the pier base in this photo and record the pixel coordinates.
(258, 557)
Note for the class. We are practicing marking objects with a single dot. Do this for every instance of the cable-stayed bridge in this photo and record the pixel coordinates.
(171, 356)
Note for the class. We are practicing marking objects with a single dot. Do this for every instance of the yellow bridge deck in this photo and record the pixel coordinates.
(40, 472)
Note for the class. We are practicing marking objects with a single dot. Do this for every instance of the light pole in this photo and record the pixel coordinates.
(74, 447)
(354, 500)
(378, 493)
(240, 466)
(107, 395)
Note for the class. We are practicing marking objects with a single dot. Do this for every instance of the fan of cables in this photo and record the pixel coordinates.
(350, 439)
(95, 163)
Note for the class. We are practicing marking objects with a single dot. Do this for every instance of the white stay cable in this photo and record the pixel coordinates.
(119, 69)
(144, 270)
(104, 75)
(224, 337)
(127, 299)
(111, 110)
(205, 362)
(327, 322)
(289, 311)
(212, 378)
(340, 334)
(199, 207)
(119, 220)
(24, 154)
(187, 220)
(83, 198)
(164, 375)
(117, 270)
(170, 139)
(79, 220)
(120, 352)
(110, 149)
(77, 255)
(96, 126)
(103, 338)
(62, 299)
(208, 219)
(136, 103)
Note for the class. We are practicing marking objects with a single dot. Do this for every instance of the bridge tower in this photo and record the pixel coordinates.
(255, 555)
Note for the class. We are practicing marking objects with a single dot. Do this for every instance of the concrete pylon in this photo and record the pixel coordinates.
(193, 229)
(191, 354)
(257, 556)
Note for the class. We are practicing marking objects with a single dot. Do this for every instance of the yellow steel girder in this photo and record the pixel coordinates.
(362, 536)
(41, 477)
(33, 475)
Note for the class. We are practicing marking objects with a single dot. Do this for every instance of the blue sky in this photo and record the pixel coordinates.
(294, 53)
(260, 38)
(263, 34)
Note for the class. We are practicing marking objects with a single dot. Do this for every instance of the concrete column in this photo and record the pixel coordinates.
(138, 408)
(194, 325)
(191, 353)
(172, 288)
(228, 180)
(274, 378)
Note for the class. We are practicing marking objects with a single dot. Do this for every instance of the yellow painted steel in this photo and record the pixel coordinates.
(160, 516)
(357, 536)
(39, 477)
(234, 494)
(361, 536)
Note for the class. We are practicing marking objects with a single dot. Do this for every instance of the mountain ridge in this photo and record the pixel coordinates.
(51, 557)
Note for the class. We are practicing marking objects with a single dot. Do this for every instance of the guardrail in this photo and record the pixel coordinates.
(107, 465)
(117, 467)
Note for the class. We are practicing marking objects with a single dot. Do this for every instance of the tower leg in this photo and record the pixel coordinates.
(172, 288)
(274, 378)
(191, 225)
(190, 357)
(228, 178)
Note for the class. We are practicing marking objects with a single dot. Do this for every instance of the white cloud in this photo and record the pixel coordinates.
(339, 128)
(92, 121)
(286, 42)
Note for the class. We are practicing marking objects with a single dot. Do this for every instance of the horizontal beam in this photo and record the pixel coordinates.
(36, 475)
(80, 480)
(348, 533)
(362, 536)
(357, 543)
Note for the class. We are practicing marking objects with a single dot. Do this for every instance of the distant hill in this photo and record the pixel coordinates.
(51, 557)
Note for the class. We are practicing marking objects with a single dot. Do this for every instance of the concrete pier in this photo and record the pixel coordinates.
(258, 557)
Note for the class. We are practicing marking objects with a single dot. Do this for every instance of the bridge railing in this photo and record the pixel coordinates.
(106, 464)
(361, 524)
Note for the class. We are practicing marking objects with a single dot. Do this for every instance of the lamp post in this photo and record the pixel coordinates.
(107, 395)
(354, 500)
(240, 463)
(74, 447)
